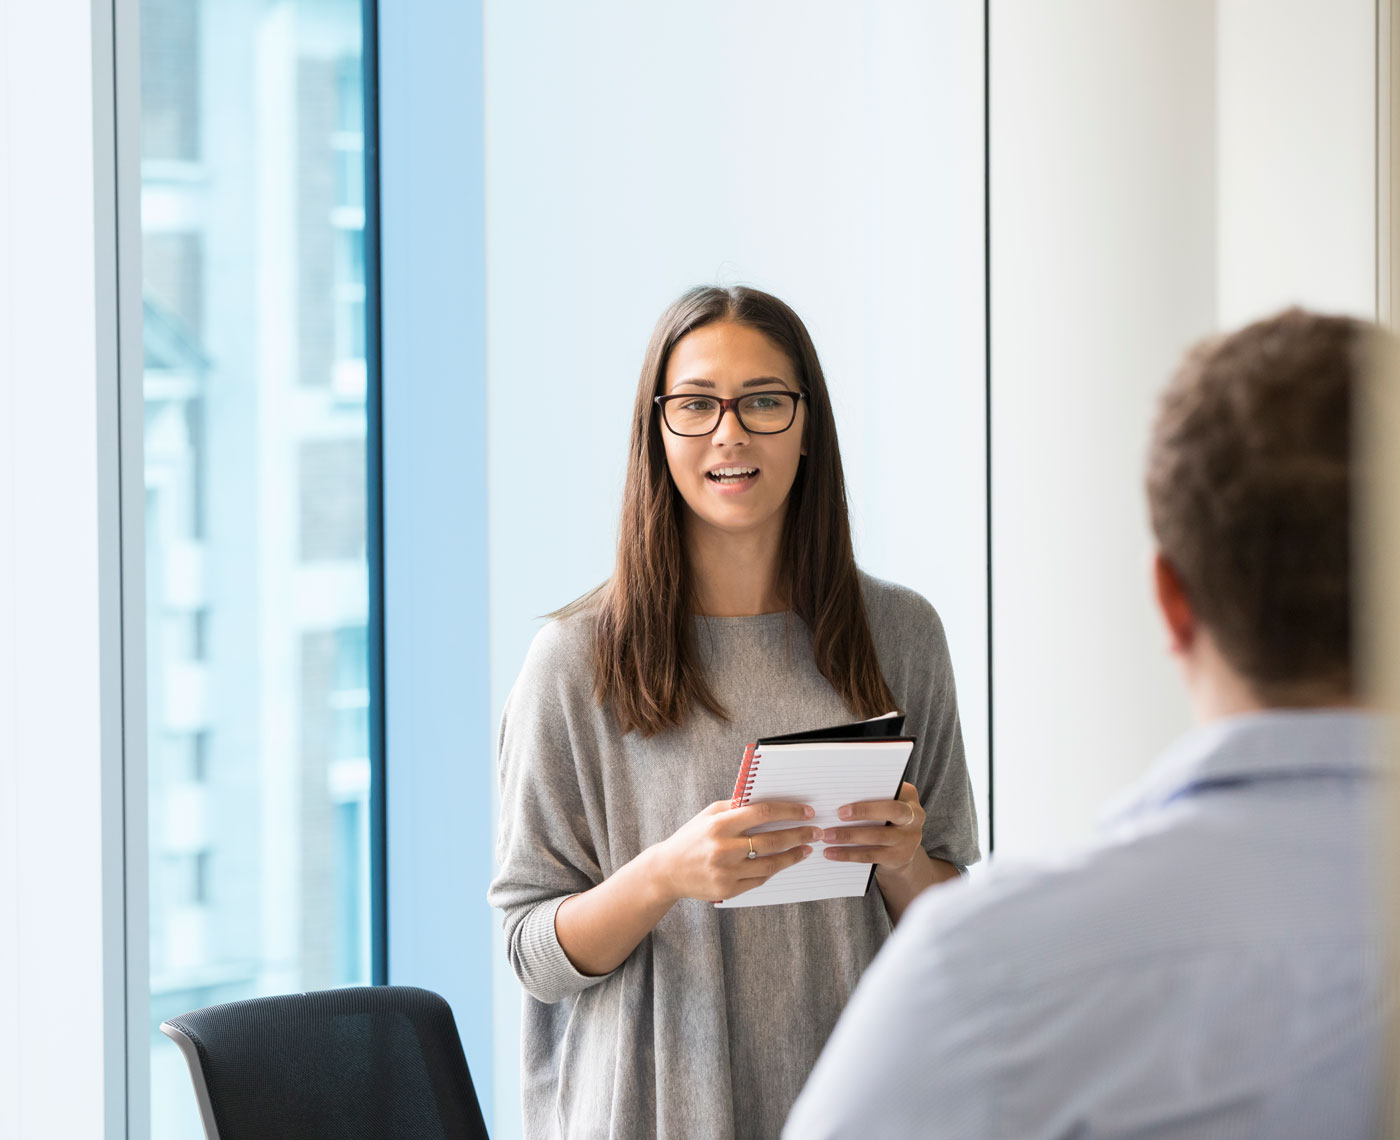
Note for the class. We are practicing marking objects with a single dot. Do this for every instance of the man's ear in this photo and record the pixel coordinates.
(1177, 614)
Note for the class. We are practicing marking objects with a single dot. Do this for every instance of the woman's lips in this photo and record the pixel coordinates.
(732, 484)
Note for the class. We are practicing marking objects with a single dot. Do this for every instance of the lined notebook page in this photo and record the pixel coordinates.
(827, 776)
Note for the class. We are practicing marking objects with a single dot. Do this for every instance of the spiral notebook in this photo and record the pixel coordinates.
(826, 768)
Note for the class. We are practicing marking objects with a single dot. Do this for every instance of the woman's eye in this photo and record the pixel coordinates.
(698, 405)
(763, 403)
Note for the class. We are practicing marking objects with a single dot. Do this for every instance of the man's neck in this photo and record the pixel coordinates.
(1216, 691)
(1216, 696)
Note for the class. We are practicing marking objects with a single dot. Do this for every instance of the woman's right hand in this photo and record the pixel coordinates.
(708, 857)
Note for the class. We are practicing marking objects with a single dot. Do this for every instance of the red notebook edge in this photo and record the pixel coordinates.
(737, 800)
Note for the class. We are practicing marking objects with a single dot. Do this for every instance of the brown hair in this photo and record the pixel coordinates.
(645, 660)
(1249, 486)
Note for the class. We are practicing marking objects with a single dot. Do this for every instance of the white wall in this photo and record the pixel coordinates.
(1296, 147)
(1103, 240)
(61, 1009)
(828, 152)
(1159, 170)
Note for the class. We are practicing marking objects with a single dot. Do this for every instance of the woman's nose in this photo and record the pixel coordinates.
(729, 429)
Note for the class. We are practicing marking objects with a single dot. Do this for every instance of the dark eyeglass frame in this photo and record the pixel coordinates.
(728, 404)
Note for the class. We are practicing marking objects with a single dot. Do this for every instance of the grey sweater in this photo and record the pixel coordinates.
(709, 1028)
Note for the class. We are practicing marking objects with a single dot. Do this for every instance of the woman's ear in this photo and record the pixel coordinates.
(1175, 607)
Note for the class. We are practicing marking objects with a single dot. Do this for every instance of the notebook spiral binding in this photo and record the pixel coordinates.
(753, 775)
(743, 786)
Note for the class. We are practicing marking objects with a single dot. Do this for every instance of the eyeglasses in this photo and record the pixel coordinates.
(758, 413)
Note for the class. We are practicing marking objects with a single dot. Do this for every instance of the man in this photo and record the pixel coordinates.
(1210, 966)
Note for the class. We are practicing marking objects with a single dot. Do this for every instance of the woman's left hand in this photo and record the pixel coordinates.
(895, 846)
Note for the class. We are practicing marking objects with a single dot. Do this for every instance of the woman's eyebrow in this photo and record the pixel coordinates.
(756, 382)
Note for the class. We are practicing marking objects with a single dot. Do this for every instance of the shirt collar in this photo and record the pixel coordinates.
(1256, 747)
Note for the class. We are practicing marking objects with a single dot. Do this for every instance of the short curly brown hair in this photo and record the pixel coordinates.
(1249, 484)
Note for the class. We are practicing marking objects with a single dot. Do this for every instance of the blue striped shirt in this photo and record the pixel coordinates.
(1210, 966)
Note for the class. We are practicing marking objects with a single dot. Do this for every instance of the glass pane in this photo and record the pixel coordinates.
(862, 210)
(257, 592)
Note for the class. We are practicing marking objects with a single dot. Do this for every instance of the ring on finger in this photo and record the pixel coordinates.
(752, 853)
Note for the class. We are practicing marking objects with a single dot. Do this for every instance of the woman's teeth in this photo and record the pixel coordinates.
(732, 474)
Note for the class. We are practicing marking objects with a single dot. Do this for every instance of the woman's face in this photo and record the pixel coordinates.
(732, 480)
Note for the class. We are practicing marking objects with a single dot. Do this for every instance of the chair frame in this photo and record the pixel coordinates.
(201, 1087)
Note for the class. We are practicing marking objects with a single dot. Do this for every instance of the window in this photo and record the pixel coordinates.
(253, 218)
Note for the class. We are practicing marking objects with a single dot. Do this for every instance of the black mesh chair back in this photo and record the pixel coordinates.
(372, 1061)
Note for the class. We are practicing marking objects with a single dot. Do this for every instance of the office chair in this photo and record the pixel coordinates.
(371, 1061)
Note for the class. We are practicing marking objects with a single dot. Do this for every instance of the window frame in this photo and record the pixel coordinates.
(426, 270)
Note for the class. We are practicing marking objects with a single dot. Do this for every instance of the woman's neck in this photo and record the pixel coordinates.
(735, 575)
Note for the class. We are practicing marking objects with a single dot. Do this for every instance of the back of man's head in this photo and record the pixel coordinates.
(1249, 487)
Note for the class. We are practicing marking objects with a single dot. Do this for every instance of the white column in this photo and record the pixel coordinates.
(1296, 152)
(1103, 269)
(62, 1062)
(1159, 170)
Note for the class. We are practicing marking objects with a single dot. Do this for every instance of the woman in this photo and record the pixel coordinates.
(735, 611)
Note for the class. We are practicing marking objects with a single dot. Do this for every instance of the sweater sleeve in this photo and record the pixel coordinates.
(545, 848)
(940, 769)
(915, 660)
